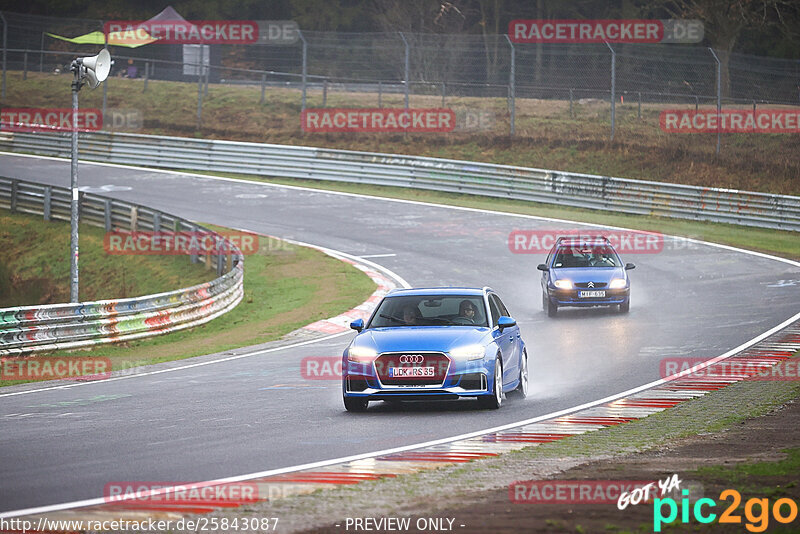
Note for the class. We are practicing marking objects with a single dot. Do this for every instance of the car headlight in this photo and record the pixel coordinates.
(563, 284)
(617, 283)
(469, 352)
(361, 354)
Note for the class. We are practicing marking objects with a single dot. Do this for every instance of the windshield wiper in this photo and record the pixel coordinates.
(395, 319)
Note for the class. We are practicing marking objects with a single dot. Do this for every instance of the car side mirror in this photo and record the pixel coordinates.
(357, 325)
(542, 267)
(629, 266)
(505, 322)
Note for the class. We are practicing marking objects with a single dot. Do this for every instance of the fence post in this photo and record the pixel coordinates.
(571, 115)
(41, 55)
(719, 94)
(107, 214)
(444, 92)
(48, 192)
(613, 89)
(512, 87)
(25, 65)
(305, 68)
(208, 74)
(5, 46)
(221, 263)
(193, 257)
(325, 93)
(200, 89)
(263, 87)
(380, 93)
(405, 74)
(639, 111)
(146, 75)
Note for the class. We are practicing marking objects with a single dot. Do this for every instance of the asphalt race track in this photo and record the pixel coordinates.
(258, 413)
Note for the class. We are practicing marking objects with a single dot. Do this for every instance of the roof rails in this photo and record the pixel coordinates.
(582, 238)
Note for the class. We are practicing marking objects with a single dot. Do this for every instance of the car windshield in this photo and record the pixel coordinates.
(430, 310)
(572, 257)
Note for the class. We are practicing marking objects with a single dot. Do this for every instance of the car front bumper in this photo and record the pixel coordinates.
(570, 297)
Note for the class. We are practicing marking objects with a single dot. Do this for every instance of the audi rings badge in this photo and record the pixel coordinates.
(412, 358)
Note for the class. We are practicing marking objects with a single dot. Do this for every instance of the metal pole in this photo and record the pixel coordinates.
(41, 55)
(380, 94)
(305, 69)
(200, 90)
(512, 86)
(571, 115)
(263, 87)
(207, 72)
(146, 75)
(444, 92)
(405, 74)
(639, 111)
(719, 95)
(5, 46)
(613, 89)
(73, 218)
(25, 65)
(325, 93)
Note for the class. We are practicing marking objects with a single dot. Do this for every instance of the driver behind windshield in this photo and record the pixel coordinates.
(466, 310)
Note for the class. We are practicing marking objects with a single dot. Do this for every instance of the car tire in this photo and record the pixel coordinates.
(548, 306)
(625, 307)
(521, 390)
(355, 404)
(494, 401)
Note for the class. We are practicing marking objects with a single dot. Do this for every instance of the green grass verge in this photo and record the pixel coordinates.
(285, 288)
(34, 265)
(781, 243)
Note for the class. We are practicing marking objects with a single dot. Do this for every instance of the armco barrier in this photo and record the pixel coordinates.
(29, 329)
(501, 181)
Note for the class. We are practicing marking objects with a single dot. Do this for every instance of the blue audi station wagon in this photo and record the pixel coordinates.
(435, 344)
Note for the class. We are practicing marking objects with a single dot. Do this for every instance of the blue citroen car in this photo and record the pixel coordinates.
(435, 344)
(582, 271)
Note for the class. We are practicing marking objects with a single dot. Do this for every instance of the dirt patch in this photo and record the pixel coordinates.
(761, 439)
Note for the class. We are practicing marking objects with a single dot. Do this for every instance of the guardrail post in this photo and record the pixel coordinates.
(512, 86)
(13, 200)
(25, 65)
(719, 94)
(405, 74)
(156, 221)
(325, 93)
(48, 192)
(220, 264)
(107, 214)
(146, 75)
(193, 257)
(263, 87)
(134, 218)
(613, 89)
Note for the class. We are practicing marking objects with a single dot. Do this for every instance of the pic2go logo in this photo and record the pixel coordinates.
(757, 521)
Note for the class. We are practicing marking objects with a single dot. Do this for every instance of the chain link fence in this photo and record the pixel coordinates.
(519, 89)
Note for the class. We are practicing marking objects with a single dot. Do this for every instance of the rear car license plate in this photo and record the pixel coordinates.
(414, 372)
(591, 294)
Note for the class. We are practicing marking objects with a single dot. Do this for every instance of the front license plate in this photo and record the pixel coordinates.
(414, 372)
(591, 294)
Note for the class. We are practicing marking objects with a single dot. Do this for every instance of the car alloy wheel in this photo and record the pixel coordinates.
(495, 400)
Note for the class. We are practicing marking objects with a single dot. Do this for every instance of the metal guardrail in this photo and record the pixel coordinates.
(499, 181)
(30, 329)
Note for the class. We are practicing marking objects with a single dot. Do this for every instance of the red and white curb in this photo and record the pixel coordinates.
(754, 359)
